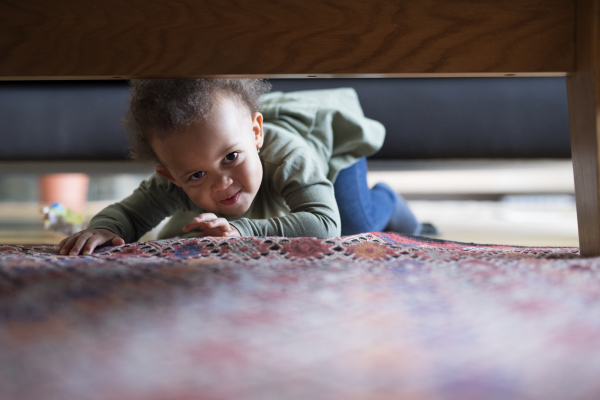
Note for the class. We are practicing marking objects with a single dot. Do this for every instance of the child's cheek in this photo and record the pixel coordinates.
(256, 175)
(199, 198)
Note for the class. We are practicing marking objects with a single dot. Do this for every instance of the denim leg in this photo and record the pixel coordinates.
(403, 220)
(362, 209)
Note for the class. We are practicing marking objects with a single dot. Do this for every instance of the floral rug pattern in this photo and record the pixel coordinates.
(372, 316)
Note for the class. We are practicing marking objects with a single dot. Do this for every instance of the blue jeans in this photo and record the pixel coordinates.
(370, 210)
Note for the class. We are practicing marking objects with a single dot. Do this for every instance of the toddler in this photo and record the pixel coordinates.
(234, 160)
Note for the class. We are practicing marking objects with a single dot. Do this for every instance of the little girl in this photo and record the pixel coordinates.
(297, 168)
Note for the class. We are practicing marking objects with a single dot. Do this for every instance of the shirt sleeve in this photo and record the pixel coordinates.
(154, 200)
(307, 192)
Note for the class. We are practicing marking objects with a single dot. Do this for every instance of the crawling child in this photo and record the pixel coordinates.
(234, 160)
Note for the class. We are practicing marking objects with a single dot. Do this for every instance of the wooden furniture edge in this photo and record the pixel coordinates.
(583, 88)
(122, 39)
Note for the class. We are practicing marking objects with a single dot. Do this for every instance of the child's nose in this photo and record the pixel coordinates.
(221, 183)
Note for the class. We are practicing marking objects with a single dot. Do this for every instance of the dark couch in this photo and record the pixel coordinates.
(425, 118)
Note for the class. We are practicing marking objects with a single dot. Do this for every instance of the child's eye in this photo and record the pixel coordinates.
(231, 157)
(196, 175)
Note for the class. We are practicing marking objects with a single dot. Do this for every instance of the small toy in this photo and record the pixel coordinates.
(61, 219)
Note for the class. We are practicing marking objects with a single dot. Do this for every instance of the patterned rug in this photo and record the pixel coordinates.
(372, 316)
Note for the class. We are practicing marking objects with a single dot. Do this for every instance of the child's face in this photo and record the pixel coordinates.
(216, 161)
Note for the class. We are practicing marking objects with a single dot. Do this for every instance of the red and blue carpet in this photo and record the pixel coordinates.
(372, 316)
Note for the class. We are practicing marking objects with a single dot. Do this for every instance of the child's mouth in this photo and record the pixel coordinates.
(232, 199)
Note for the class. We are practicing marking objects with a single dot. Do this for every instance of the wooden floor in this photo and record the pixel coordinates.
(534, 199)
(533, 202)
(545, 221)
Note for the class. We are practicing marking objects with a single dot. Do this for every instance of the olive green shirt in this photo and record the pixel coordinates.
(309, 136)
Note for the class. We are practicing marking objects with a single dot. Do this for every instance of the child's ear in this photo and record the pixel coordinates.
(162, 171)
(257, 128)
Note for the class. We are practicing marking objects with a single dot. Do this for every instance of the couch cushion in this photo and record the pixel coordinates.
(425, 118)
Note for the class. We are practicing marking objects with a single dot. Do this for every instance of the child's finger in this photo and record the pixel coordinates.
(92, 242)
(205, 217)
(62, 242)
(79, 244)
(219, 227)
(231, 233)
(71, 238)
(199, 222)
(99, 240)
(219, 223)
(66, 247)
(193, 225)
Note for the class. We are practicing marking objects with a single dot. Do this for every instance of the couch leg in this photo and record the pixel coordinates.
(583, 88)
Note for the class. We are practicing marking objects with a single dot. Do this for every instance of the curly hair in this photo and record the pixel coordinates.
(158, 107)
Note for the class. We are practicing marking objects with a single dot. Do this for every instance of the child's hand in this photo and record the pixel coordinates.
(88, 240)
(210, 225)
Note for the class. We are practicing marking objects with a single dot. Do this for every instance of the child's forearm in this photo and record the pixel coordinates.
(299, 224)
(313, 213)
(154, 200)
(125, 221)
(115, 219)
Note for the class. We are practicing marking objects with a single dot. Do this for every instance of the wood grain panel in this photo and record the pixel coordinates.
(583, 88)
(60, 39)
